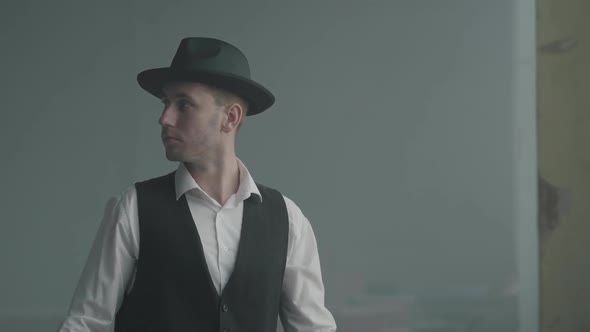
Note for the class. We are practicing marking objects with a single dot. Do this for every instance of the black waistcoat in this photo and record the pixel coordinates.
(173, 290)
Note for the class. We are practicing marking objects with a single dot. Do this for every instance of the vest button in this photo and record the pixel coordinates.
(225, 308)
(225, 330)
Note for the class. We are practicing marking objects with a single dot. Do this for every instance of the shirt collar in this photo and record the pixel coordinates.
(184, 182)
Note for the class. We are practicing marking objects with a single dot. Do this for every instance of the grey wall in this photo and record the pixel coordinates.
(403, 129)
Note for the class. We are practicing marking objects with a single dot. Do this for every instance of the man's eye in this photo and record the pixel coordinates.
(182, 105)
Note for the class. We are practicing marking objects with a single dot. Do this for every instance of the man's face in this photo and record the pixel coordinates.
(191, 122)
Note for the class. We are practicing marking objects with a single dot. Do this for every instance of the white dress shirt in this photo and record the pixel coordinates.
(110, 269)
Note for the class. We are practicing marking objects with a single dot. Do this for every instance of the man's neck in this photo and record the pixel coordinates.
(218, 178)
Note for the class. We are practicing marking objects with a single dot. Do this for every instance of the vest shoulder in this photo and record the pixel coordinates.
(264, 189)
(157, 181)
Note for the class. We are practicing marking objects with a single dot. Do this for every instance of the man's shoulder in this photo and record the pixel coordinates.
(129, 194)
(156, 180)
(263, 187)
(293, 210)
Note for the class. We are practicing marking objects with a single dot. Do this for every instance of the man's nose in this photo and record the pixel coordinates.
(168, 118)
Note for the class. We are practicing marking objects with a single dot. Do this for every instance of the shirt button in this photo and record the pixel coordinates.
(225, 308)
(225, 249)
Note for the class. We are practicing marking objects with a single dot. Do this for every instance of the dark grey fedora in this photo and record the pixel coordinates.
(210, 61)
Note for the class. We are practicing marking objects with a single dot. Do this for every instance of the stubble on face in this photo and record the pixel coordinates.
(198, 128)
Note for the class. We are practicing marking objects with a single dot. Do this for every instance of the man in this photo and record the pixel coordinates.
(204, 248)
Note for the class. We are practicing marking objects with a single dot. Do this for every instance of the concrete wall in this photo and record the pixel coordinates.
(563, 33)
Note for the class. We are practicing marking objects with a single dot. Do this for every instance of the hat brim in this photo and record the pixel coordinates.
(258, 97)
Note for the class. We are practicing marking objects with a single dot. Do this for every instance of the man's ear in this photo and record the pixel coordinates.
(233, 116)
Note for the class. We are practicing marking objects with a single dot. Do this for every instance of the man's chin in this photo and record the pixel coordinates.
(173, 156)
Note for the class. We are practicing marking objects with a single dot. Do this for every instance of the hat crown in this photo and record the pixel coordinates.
(212, 55)
(209, 61)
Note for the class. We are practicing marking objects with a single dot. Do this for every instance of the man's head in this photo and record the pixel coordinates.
(199, 122)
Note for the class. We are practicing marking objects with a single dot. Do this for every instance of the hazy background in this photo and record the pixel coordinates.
(403, 129)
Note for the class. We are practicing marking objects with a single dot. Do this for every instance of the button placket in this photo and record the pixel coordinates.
(222, 246)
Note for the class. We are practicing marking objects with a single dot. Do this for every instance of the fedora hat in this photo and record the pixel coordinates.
(210, 61)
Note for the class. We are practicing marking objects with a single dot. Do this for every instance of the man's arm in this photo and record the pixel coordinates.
(111, 261)
(302, 297)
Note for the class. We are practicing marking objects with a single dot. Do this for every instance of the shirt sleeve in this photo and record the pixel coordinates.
(107, 271)
(302, 298)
